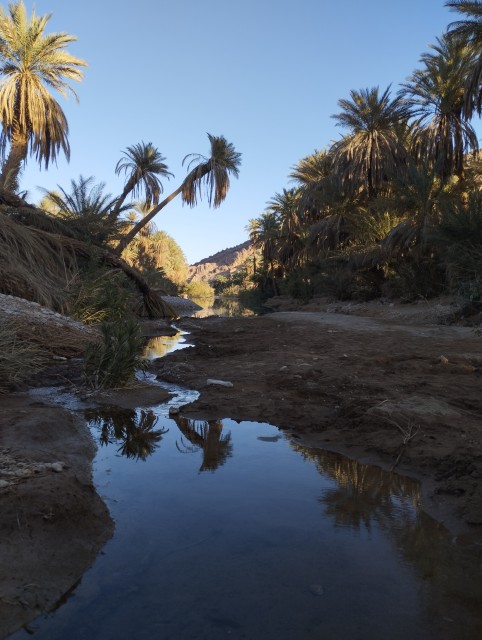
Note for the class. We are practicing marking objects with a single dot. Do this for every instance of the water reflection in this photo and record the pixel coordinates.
(226, 307)
(207, 437)
(368, 498)
(161, 345)
(133, 430)
(284, 542)
(363, 492)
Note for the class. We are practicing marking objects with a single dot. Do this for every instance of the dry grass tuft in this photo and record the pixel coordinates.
(34, 264)
(19, 358)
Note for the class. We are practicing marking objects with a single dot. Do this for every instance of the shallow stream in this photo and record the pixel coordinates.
(234, 530)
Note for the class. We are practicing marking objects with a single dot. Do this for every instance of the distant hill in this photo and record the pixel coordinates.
(223, 263)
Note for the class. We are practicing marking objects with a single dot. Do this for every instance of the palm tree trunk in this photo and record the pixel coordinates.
(114, 214)
(13, 164)
(125, 240)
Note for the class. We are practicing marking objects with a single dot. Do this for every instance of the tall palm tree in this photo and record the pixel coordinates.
(208, 174)
(373, 150)
(143, 165)
(286, 207)
(31, 64)
(264, 233)
(435, 97)
(469, 32)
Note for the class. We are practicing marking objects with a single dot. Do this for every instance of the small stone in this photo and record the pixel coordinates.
(219, 383)
(443, 360)
(56, 466)
(3, 484)
(174, 411)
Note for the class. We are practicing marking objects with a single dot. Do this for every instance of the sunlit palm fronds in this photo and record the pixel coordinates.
(144, 167)
(211, 174)
(372, 151)
(31, 64)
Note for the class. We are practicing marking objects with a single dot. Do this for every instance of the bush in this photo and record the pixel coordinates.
(198, 289)
(114, 362)
(102, 295)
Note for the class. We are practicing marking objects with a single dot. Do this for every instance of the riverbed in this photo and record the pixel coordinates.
(233, 529)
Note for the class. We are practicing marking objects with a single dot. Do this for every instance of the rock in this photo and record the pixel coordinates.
(174, 411)
(219, 383)
(55, 466)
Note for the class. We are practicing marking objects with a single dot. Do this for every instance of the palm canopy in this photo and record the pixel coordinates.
(85, 207)
(372, 150)
(209, 174)
(31, 64)
(435, 97)
(312, 169)
(264, 233)
(469, 31)
(143, 166)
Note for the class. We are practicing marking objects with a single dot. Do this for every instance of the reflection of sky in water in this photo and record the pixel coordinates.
(230, 529)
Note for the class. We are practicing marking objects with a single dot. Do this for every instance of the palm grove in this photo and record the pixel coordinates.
(394, 207)
(82, 251)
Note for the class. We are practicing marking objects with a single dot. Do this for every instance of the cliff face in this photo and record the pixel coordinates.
(223, 263)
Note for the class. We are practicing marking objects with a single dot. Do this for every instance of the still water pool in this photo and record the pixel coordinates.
(233, 530)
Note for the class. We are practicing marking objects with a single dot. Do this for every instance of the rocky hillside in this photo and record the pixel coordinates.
(223, 263)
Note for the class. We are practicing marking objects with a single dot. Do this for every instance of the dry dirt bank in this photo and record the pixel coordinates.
(52, 522)
(406, 396)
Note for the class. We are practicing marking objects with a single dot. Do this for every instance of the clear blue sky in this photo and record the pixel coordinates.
(266, 74)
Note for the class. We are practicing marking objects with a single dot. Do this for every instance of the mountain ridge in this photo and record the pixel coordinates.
(223, 263)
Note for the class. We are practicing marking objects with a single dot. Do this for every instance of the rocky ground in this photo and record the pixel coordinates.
(385, 384)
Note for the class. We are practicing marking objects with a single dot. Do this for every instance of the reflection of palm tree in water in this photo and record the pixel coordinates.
(364, 492)
(207, 436)
(135, 431)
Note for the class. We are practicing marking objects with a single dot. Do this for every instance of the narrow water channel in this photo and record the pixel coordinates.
(232, 530)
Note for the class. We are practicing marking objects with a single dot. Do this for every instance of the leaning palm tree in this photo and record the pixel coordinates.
(373, 150)
(143, 165)
(434, 95)
(31, 64)
(208, 174)
(469, 32)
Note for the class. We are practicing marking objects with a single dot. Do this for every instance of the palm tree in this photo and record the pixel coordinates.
(286, 207)
(86, 208)
(211, 174)
(32, 63)
(469, 32)
(435, 97)
(373, 150)
(143, 165)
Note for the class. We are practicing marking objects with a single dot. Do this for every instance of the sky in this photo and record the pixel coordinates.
(266, 74)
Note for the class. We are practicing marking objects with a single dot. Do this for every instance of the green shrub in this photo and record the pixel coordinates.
(102, 295)
(198, 289)
(114, 362)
